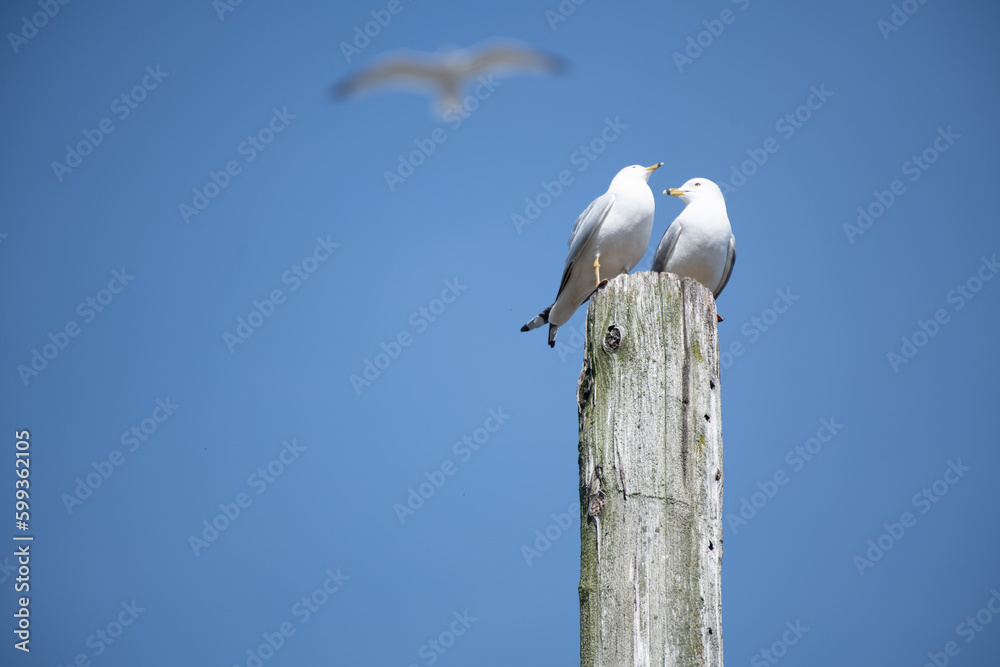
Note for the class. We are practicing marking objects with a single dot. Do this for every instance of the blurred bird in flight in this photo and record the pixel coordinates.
(448, 73)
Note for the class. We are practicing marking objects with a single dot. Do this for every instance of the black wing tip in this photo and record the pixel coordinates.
(538, 320)
(557, 64)
(342, 90)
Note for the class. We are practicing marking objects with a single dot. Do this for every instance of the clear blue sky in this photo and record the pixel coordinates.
(148, 402)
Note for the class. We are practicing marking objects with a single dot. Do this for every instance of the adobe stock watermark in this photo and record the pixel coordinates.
(787, 125)
(562, 12)
(923, 500)
(419, 320)
(249, 149)
(223, 7)
(259, 481)
(581, 158)
(697, 44)
(105, 637)
(925, 330)
(433, 649)
(464, 449)
(915, 167)
(294, 276)
(757, 325)
(968, 630)
(136, 436)
(364, 34)
(122, 107)
(87, 310)
(30, 26)
(571, 340)
(408, 164)
(546, 537)
(898, 17)
(796, 459)
(302, 610)
(779, 648)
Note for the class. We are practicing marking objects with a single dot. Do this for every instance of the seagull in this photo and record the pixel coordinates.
(699, 243)
(448, 71)
(615, 228)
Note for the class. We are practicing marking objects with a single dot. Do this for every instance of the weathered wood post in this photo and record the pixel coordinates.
(651, 476)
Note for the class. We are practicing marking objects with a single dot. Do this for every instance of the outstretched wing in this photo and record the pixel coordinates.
(583, 231)
(510, 56)
(409, 71)
(730, 263)
(665, 249)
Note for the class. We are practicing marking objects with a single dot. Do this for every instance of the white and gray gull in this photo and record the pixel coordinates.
(699, 244)
(609, 239)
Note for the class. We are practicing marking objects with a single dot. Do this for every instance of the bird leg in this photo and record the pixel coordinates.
(597, 273)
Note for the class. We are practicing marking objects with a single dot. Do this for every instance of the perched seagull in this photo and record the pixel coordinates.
(699, 243)
(615, 228)
(448, 72)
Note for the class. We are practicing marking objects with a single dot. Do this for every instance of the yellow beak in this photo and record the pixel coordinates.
(674, 192)
(654, 167)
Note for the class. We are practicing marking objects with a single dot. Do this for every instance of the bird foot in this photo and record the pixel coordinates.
(719, 317)
(602, 283)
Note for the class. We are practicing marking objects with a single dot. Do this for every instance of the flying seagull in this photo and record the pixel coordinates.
(699, 243)
(447, 73)
(612, 234)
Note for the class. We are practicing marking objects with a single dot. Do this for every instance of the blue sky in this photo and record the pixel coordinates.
(194, 498)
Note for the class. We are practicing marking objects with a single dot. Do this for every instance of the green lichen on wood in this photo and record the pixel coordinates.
(643, 403)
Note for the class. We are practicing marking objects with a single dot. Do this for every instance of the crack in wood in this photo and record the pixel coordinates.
(621, 473)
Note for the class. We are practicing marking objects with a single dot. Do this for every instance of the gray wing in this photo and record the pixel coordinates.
(583, 230)
(665, 249)
(730, 263)
(504, 57)
(403, 70)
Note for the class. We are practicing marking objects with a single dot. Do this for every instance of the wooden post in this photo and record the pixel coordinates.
(650, 476)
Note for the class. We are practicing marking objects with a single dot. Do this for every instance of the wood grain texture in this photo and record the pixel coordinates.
(651, 476)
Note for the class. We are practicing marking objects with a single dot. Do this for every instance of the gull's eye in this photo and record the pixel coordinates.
(697, 184)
